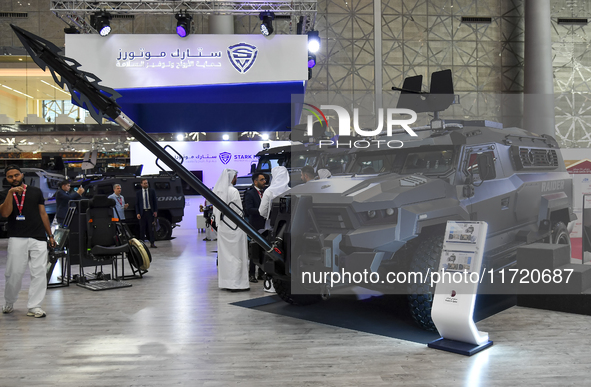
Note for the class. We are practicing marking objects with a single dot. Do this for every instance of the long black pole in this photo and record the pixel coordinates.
(45, 54)
(147, 141)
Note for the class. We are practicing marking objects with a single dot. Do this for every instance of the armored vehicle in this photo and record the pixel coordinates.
(169, 191)
(389, 212)
(293, 158)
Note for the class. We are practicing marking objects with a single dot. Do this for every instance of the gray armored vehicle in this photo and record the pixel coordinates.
(389, 213)
(169, 191)
(295, 157)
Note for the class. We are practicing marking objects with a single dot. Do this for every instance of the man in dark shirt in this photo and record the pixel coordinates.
(62, 200)
(252, 202)
(28, 225)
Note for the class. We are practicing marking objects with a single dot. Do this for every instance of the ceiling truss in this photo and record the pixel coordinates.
(74, 12)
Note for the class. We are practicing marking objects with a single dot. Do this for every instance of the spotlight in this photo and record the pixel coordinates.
(265, 137)
(313, 41)
(225, 137)
(180, 137)
(183, 25)
(311, 60)
(267, 24)
(101, 21)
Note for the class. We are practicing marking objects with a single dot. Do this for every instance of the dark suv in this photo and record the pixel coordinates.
(169, 191)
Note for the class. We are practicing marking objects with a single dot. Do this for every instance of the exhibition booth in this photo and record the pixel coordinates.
(201, 83)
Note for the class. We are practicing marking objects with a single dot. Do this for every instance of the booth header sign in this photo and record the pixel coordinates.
(138, 61)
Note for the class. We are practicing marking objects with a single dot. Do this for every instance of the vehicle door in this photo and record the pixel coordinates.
(491, 197)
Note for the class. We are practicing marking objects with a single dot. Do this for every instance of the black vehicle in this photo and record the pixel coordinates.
(169, 191)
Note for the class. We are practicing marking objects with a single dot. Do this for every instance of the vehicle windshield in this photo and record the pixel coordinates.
(298, 161)
(436, 161)
(268, 162)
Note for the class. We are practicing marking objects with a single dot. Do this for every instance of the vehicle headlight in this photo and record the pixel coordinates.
(371, 213)
(390, 211)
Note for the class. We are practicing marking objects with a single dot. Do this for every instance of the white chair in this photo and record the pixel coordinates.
(64, 119)
(33, 119)
(5, 120)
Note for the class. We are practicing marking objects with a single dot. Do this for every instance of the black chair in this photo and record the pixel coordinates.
(102, 230)
(103, 243)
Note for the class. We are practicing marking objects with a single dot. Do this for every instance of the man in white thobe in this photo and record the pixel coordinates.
(232, 244)
(279, 185)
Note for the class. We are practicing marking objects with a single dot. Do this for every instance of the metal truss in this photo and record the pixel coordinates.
(74, 11)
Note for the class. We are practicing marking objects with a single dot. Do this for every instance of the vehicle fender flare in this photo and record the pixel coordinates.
(553, 203)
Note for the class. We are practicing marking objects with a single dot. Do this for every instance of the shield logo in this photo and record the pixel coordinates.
(225, 157)
(242, 56)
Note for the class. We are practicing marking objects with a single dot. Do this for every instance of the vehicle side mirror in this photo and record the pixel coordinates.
(486, 166)
(253, 168)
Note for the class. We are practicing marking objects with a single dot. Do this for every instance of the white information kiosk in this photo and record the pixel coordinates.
(455, 292)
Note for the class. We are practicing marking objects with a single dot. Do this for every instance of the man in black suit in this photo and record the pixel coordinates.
(252, 201)
(146, 210)
(62, 200)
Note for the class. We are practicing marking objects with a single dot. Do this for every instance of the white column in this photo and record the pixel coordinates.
(538, 75)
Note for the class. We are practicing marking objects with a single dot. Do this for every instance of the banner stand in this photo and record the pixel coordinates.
(455, 291)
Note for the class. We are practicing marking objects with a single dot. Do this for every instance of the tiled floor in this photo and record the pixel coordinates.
(175, 327)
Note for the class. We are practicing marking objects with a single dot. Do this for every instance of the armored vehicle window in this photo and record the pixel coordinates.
(162, 185)
(104, 189)
(266, 163)
(336, 164)
(53, 183)
(428, 163)
(299, 161)
(473, 164)
(373, 163)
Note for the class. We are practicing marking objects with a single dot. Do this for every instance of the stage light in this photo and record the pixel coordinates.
(311, 60)
(264, 136)
(267, 24)
(180, 137)
(225, 137)
(183, 25)
(313, 41)
(101, 21)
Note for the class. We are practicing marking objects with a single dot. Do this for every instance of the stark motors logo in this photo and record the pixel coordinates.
(225, 157)
(242, 56)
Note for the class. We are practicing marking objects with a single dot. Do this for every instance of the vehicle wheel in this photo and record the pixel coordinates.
(283, 289)
(165, 230)
(560, 235)
(420, 297)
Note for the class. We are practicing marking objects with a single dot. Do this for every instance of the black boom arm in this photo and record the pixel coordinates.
(101, 102)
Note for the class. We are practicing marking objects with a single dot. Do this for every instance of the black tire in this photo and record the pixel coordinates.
(165, 230)
(283, 289)
(560, 235)
(420, 297)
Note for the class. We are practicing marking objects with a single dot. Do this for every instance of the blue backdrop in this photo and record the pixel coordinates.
(260, 107)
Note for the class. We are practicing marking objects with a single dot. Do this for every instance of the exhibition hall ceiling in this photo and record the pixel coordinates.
(417, 37)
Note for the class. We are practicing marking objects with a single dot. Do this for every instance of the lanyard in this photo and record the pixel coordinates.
(20, 205)
(119, 200)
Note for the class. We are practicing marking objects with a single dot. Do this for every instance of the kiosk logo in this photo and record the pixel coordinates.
(225, 157)
(242, 56)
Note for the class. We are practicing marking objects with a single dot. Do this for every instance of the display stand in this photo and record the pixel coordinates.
(455, 293)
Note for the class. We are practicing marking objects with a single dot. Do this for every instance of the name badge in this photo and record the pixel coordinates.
(20, 217)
